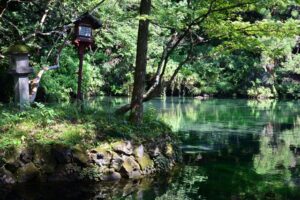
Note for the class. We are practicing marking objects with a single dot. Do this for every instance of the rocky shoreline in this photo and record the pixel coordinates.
(109, 161)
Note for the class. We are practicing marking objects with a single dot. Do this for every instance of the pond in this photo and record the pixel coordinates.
(233, 149)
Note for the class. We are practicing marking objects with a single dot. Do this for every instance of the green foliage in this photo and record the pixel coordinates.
(66, 124)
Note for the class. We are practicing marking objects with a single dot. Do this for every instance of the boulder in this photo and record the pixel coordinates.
(13, 166)
(80, 156)
(27, 172)
(11, 160)
(44, 159)
(136, 174)
(111, 175)
(100, 156)
(124, 147)
(116, 161)
(139, 151)
(145, 162)
(62, 154)
(26, 155)
(162, 163)
(154, 151)
(143, 158)
(130, 167)
(169, 150)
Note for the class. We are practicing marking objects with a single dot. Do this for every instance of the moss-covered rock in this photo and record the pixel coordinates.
(80, 156)
(100, 156)
(106, 162)
(27, 155)
(12, 155)
(27, 172)
(130, 167)
(124, 147)
(18, 49)
(162, 163)
(116, 161)
(169, 151)
(44, 159)
(145, 162)
(143, 158)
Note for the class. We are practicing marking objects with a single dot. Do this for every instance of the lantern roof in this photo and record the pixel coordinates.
(90, 19)
(18, 49)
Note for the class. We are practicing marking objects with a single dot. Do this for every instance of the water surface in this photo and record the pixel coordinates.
(233, 149)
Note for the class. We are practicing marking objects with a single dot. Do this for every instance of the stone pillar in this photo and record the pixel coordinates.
(22, 91)
(20, 69)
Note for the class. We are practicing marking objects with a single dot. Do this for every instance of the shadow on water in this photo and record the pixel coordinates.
(233, 149)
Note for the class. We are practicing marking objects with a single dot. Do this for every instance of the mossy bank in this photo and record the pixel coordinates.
(63, 144)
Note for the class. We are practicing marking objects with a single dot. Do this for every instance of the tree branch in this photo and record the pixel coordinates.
(42, 34)
(5, 7)
(45, 15)
(35, 83)
(167, 52)
(96, 6)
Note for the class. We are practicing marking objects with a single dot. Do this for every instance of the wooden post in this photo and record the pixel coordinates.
(80, 70)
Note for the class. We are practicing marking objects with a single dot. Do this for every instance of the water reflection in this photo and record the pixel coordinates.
(246, 149)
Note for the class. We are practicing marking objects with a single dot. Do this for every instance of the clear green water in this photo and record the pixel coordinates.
(233, 149)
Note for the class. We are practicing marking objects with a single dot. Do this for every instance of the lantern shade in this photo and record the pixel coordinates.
(83, 28)
(89, 19)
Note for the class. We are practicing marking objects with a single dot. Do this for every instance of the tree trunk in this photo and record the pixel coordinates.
(136, 115)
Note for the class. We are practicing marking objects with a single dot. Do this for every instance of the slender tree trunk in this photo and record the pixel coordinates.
(140, 65)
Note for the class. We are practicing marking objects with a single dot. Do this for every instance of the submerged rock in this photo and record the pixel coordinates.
(111, 176)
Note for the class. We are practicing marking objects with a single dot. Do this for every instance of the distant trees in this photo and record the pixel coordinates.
(194, 47)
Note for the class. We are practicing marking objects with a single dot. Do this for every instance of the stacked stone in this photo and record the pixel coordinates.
(107, 162)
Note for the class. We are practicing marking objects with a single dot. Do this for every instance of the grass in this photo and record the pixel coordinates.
(67, 125)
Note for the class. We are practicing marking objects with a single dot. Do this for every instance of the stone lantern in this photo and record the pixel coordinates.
(20, 69)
